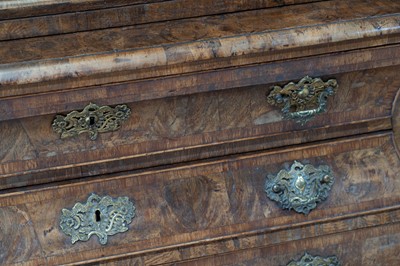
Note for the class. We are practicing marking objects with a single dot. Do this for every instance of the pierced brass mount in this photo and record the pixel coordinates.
(303, 100)
(301, 188)
(93, 119)
(309, 260)
(101, 216)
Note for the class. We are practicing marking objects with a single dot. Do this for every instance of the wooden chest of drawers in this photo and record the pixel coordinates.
(199, 132)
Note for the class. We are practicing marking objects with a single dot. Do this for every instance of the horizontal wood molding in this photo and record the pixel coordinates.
(157, 53)
(215, 110)
(241, 212)
(368, 245)
(41, 171)
(89, 15)
(192, 127)
(332, 64)
(197, 51)
(14, 9)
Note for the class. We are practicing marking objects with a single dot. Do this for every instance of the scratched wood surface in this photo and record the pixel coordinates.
(215, 200)
(198, 44)
(192, 127)
(259, 74)
(201, 140)
(262, 248)
(188, 30)
(367, 247)
(26, 8)
(75, 16)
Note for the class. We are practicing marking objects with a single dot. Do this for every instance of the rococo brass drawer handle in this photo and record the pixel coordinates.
(300, 188)
(308, 260)
(93, 119)
(101, 216)
(304, 100)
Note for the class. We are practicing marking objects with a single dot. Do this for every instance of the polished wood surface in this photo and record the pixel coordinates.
(201, 139)
(365, 247)
(77, 16)
(27, 8)
(192, 127)
(280, 71)
(209, 201)
(198, 44)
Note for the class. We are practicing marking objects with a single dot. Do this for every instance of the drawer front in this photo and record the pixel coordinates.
(373, 246)
(208, 208)
(31, 18)
(197, 126)
(72, 64)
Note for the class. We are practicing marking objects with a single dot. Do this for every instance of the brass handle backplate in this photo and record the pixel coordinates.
(301, 188)
(303, 100)
(101, 216)
(93, 119)
(309, 260)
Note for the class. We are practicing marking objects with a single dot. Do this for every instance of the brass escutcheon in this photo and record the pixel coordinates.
(309, 260)
(301, 188)
(93, 119)
(101, 216)
(303, 100)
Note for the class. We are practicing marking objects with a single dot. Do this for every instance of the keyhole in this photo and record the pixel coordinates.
(97, 214)
(298, 168)
(91, 120)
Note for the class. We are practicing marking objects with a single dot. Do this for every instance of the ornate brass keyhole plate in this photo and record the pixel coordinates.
(303, 100)
(101, 216)
(301, 188)
(93, 119)
(309, 260)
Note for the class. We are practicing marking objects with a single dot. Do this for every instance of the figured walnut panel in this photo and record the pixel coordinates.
(192, 127)
(95, 14)
(266, 73)
(205, 28)
(18, 240)
(194, 204)
(374, 246)
(18, 9)
(240, 248)
(241, 37)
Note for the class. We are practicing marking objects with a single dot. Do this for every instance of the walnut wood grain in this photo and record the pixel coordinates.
(373, 246)
(327, 65)
(15, 221)
(118, 14)
(27, 8)
(74, 57)
(217, 200)
(196, 75)
(248, 245)
(192, 127)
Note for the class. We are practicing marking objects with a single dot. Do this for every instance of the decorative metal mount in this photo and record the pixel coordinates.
(93, 119)
(302, 101)
(98, 216)
(301, 188)
(308, 260)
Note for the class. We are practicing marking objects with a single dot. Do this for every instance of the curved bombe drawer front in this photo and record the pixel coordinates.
(148, 133)
(211, 207)
(69, 16)
(372, 246)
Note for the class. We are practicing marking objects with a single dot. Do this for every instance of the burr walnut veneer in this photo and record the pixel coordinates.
(199, 132)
